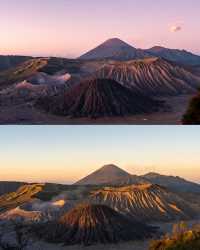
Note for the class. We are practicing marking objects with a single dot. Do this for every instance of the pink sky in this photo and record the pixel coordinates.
(69, 28)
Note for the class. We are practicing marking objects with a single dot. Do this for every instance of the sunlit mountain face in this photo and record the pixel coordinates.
(109, 206)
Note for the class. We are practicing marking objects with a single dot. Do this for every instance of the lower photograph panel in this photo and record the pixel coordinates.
(99, 187)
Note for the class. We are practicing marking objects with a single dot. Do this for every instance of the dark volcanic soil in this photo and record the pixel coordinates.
(27, 114)
(95, 98)
(91, 224)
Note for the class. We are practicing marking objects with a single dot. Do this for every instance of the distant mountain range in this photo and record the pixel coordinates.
(173, 182)
(114, 49)
(175, 55)
(119, 50)
(112, 175)
(108, 206)
(121, 83)
(134, 197)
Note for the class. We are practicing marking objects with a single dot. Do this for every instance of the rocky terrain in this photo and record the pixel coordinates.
(108, 206)
(95, 98)
(22, 195)
(145, 202)
(169, 75)
(152, 76)
(91, 224)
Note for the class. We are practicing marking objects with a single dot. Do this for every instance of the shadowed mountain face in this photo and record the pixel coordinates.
(152, 76)
(99, 98)
(192, 115)
(115, 49)
(9, 186)
(173, 182)
(145, 202)
(110, 175)
(175, 55)
(92, 224)
(8, 62)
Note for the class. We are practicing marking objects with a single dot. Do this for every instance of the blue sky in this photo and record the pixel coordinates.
(65, 154)
(71, 27)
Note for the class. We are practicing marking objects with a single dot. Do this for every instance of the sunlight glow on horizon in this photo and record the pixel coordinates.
(70, 28)
(66, 154)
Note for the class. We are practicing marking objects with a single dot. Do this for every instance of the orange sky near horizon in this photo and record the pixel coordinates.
(66, 154)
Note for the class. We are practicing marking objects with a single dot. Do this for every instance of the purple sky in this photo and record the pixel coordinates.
(71, 27)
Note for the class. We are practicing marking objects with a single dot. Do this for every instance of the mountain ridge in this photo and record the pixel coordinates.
(109, 174)
(98, 97)
(148, 202)
(114, 48)
(88, 224)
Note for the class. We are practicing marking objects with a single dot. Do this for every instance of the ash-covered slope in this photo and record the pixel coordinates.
(95, 98)
(175, 55)
(20, 215)
(47, 71)
(152, 76)
(110, 175)
(91, 224)
(22, 195)
(115, 49)
(145, 202)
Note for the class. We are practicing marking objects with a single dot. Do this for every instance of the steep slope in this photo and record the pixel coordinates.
(145, 202)
(175, 55)
(40, 70)
(8, 62)
(114, 49)
(99, 98)
(37, 211)
(110, 175)
(91, 224)
(21, 72)
(173, 182)
(21, 216)
(152, 76)
(22, 195)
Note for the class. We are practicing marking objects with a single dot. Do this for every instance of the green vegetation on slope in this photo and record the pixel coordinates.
(182, 238)
(192, 115)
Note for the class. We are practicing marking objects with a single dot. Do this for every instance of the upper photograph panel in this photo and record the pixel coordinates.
(99, 62)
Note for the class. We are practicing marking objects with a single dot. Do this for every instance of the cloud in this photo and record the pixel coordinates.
(175, 28)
